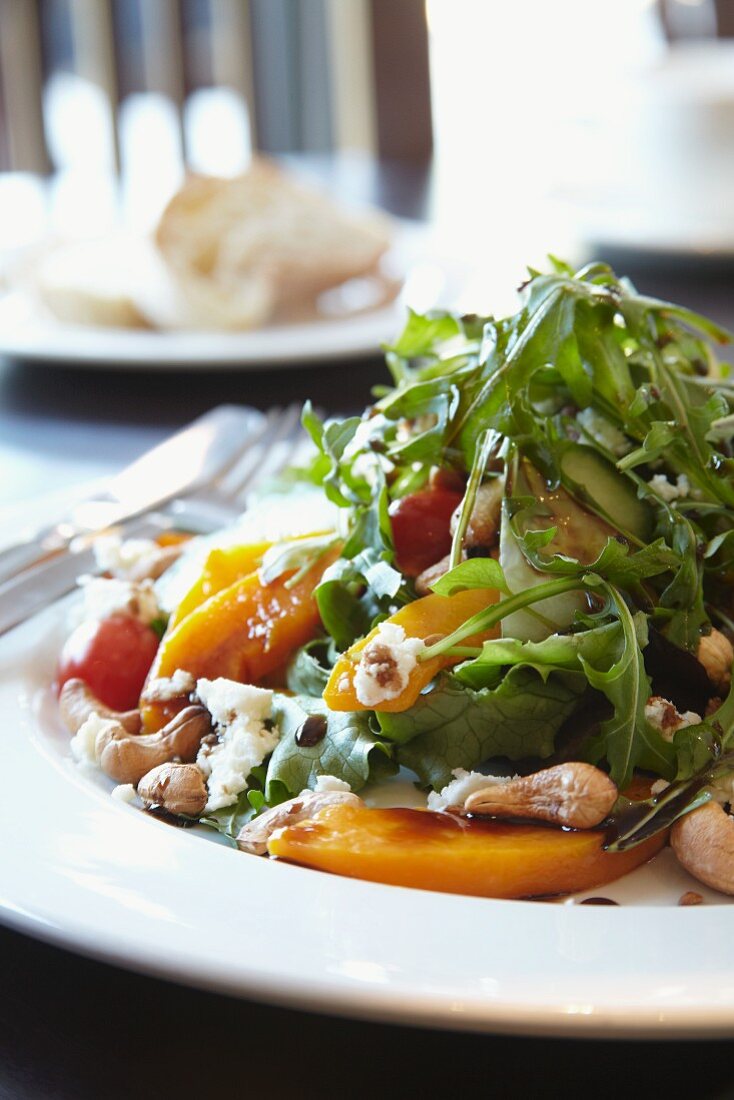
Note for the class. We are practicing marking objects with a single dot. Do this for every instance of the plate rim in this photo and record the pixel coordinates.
(411, 993)
(284, 346)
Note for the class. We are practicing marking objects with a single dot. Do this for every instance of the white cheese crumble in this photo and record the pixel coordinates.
(122, 557)
(83, 744)
(104, 597)
(239, 712)
(330, 783)
(603, 432)
(125, 792)
(165, 688)
(386, 664)
(670, 491)
(664, 717)
(658, 787)
(462, 785)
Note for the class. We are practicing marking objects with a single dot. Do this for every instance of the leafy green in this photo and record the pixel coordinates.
(705, 753)
(354, 593)
(626, 739)
(308, 670)
(349, 749)
(229, 819)
(159, 625)
(556, 653)
(455, 727)
(472, 573)
(485, 397)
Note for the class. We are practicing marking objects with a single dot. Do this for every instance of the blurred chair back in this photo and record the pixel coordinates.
(228, 75)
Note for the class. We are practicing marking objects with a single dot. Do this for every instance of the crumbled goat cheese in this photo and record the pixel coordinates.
(330, 783)
(603, 432)
(462, 785)
(121, 557)
(670, 491)
(125, 792)
(239, 712)
(104, 597)
(166, 688)
(385, 665)
(658, 787)
(84, 743)
(663, 715)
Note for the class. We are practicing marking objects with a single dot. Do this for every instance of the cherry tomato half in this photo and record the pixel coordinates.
(112, 656)
(420, 528)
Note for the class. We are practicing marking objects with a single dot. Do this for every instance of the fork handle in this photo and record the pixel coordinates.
(58, 538)
(20, 556)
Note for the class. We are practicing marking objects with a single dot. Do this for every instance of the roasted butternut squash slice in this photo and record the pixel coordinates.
(222, 568)
(430, 615)
(436, 851)
(242, 633)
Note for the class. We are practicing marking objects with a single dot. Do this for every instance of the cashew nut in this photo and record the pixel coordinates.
(430, 575)
(76, 703)
(178, 788)
(127, 758)
(716, 655)
(483, 527)
(575, 794)
(253, 837)
(703, 841)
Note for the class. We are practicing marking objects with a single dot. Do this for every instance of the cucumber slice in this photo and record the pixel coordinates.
(602, 487)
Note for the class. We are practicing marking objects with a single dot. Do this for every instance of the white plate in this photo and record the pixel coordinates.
(99, 877)
(429, 279)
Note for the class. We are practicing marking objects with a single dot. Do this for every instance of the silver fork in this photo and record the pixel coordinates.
(202, 511)
(223, 498)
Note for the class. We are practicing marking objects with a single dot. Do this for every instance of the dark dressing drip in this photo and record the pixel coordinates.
(168, 818)
(312, 731)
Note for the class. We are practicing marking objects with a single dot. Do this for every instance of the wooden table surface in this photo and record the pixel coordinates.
(71, 1027)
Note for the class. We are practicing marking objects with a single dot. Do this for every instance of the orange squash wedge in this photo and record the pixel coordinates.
(430, 615)
(243, 632)
(222, 568)
(437, 851)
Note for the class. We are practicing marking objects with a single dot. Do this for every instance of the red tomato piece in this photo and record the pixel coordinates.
(420, 528)
(112, 656)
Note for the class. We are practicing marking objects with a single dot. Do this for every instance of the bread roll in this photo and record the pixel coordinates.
(239, 250)
(89, 282)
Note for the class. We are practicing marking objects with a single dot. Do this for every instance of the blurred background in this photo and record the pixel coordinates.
(520, 127)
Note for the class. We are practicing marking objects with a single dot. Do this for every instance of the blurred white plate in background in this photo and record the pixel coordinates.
(429, 279)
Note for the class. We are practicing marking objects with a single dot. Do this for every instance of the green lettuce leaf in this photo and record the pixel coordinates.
(349, 750)
(308, 670)
(455, 727)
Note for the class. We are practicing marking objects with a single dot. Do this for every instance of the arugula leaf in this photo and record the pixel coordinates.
(309, 669)
(349, 749)
(583, 339)
(615, 562)
(626, 739)
(556, 653)
(331, 438)
(355, 593)
(472, 573)
(452, 726)
(422, 332)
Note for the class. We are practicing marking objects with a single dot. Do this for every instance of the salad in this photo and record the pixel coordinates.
(515, 582)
